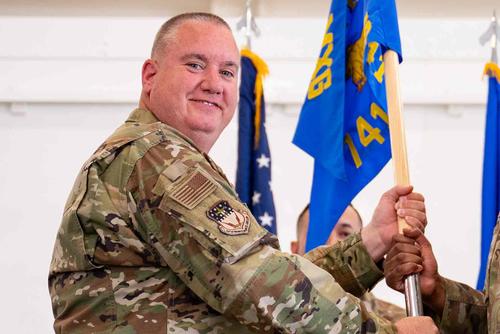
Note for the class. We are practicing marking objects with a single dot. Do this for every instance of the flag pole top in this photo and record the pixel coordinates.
(492, 35)
(247, 23)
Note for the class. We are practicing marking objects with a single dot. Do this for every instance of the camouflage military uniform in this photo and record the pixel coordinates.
(382, 308)
(467, 310)
(155, 240)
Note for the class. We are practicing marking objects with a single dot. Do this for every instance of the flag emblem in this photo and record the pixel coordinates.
(231, 221)
(193, 190)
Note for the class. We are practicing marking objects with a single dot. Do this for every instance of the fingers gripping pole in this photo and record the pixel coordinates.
(399, 157)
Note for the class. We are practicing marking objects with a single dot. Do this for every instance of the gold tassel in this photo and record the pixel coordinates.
(492, 70)
(262, 71)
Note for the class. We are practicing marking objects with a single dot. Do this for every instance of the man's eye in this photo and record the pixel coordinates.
(227, 74)
(195, 66)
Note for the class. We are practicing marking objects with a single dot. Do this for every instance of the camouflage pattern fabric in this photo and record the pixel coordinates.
(354, 270)
(467, 310)
(382, 308)
(155, 240)
(349, 263)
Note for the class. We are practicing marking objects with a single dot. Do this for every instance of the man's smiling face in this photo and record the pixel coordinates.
(194, 85)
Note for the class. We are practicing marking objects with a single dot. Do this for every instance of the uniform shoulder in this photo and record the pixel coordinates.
(132, 141)
(162, 148)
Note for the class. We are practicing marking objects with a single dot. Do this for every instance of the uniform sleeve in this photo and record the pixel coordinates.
(386, 310)
(349, 263)
(465, 310)
(215, 246)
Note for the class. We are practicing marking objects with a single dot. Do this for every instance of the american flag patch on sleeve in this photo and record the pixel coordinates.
(190, 192)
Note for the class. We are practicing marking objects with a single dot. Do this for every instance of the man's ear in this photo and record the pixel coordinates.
(294, 247)
(149, 70)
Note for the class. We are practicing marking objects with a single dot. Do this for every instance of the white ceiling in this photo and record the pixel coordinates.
(231, 8)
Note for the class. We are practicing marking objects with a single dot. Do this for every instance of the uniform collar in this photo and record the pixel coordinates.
(144, 116)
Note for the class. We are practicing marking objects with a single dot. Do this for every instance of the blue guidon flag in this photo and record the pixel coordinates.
(343, 124)
(253, 177)
(491, 168)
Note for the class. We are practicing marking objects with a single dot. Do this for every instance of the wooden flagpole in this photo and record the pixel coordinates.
(401, 171)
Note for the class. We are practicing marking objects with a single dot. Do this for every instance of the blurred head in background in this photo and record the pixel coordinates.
(349, 223)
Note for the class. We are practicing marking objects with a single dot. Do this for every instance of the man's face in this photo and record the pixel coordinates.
(193, 84)
(349, 223)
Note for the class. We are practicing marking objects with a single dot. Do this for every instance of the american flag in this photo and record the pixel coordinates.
(253, 177)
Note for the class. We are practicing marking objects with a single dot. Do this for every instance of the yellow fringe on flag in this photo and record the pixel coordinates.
(262, 71)
(492, 70)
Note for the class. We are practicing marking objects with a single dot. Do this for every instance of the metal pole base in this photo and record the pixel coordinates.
(413, 297)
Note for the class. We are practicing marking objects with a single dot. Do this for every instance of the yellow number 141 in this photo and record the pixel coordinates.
(366, 133)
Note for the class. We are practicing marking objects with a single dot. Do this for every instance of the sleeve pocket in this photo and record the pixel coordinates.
(222, 221)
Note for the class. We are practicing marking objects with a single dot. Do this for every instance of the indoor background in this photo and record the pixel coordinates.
(70, 74)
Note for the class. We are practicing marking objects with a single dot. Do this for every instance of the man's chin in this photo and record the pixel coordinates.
(207, 125)
(206, 129)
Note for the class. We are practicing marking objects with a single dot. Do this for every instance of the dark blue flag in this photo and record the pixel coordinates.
(343, 123)
(253, 176)
(491, 168)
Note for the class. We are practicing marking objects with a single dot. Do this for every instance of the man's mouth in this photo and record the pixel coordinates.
(207, 103)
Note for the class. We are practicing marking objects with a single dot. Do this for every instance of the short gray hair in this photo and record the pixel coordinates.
(169, 27)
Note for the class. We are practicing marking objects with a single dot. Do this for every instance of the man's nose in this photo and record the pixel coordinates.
(212, 82)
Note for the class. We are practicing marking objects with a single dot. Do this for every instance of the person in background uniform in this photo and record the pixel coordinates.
(154, 238)
(455, 307)
(349, 223)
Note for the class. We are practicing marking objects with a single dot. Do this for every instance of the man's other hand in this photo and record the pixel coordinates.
(416, 325)
(412, 253)
(399, 201)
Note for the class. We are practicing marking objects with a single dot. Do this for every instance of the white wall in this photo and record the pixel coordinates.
(67, 81)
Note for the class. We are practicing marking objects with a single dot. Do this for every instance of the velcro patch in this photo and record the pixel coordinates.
(190, 192)
(175, 170)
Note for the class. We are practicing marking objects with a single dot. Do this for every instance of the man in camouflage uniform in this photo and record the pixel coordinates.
(348, 224)
(155, 240)
(455, 307)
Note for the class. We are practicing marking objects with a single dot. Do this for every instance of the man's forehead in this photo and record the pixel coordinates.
(206, 33)
(350, 219)
(202, 29)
